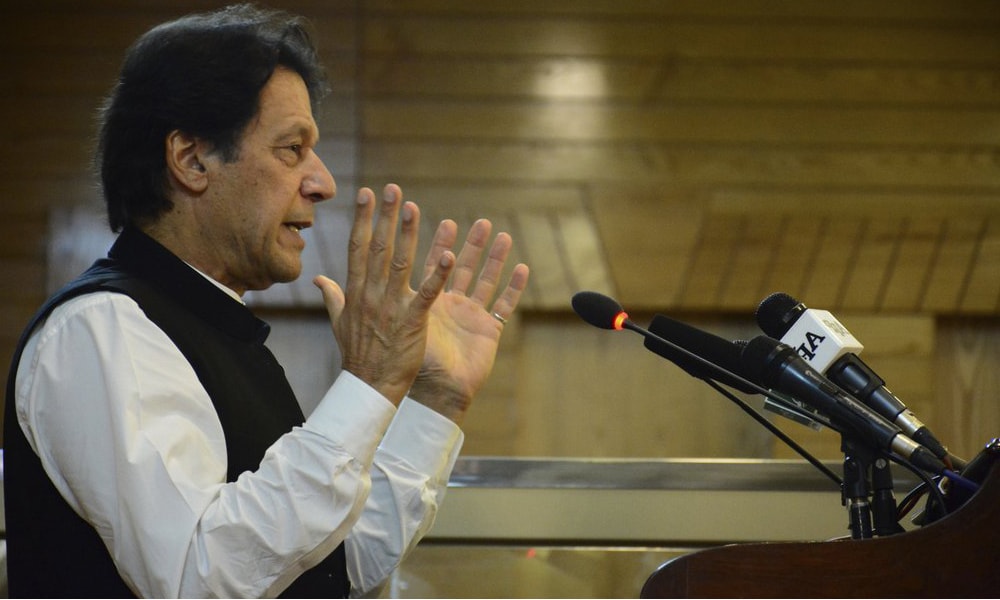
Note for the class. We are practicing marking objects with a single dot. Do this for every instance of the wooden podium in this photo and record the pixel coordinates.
(955, 557)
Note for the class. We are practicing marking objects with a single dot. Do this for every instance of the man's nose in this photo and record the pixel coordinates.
(318, 184)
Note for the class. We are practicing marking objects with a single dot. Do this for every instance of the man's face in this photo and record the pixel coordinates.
(254, 207)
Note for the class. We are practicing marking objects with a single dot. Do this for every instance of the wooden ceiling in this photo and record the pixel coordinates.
(682, 155)
(699, 156)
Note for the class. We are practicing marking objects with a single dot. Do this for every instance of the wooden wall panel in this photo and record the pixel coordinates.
(612, 397)
(968, 353)
(632, 36)
(845, 156)
(670, 231)
(914, 258)
(955, 253)
(733, 80)
(687, 157)
(796, 102)
(783, 126)
(753, 257)
(832, 258)
(718, 243)
(873, 261)
(793, 255)
(982, 290)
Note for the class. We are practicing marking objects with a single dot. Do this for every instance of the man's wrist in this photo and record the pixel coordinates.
(441, 398)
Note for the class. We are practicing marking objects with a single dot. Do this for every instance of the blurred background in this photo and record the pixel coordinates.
(686, 157)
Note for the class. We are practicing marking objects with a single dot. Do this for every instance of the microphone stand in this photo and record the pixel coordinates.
(856, 487)
(884, 507)
(867, 490)
(861, 461)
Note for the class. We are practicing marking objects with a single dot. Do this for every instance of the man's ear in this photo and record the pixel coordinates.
(186, 156)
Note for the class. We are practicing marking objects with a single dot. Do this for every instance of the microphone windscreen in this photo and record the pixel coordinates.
(757, 357)
(712, 348)
(597, 309)
(777, 313)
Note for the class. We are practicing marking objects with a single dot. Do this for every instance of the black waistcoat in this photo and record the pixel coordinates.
(54, 553)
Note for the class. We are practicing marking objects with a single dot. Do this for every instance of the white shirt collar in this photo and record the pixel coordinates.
(230, 292)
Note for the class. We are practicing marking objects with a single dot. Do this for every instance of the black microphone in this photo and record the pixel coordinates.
(829, 347)
(599, 310)
(606, 313)
(715, 349)
(773, 364)
(701, 354)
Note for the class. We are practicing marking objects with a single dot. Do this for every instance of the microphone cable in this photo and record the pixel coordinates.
(776, 431)
(605, 312)
(927, 484)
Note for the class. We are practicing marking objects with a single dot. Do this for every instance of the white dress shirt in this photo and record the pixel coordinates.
(131, 440)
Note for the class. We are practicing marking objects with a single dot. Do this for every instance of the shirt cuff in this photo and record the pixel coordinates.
(353, 414)
(427, 440)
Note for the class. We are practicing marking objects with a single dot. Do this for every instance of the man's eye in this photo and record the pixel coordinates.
(297, 149)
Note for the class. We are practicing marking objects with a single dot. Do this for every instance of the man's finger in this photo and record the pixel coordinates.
(468, 258)
(444, 239)
(432, 286)
(383, 240)
(333, 296)
(357, 248)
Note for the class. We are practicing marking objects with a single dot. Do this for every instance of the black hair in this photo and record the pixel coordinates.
(201, 74)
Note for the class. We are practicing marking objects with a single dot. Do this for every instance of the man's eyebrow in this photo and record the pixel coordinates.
(302, 130)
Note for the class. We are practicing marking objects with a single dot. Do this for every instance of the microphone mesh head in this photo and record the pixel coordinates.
(756, 359)
(776, 314)
(597, 309)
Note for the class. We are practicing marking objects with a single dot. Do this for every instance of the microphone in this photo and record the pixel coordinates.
(715, 349)
(599, 310)
(789, 407)
(770, 363)
(821, 340)
(605, 313)
(701, 354)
